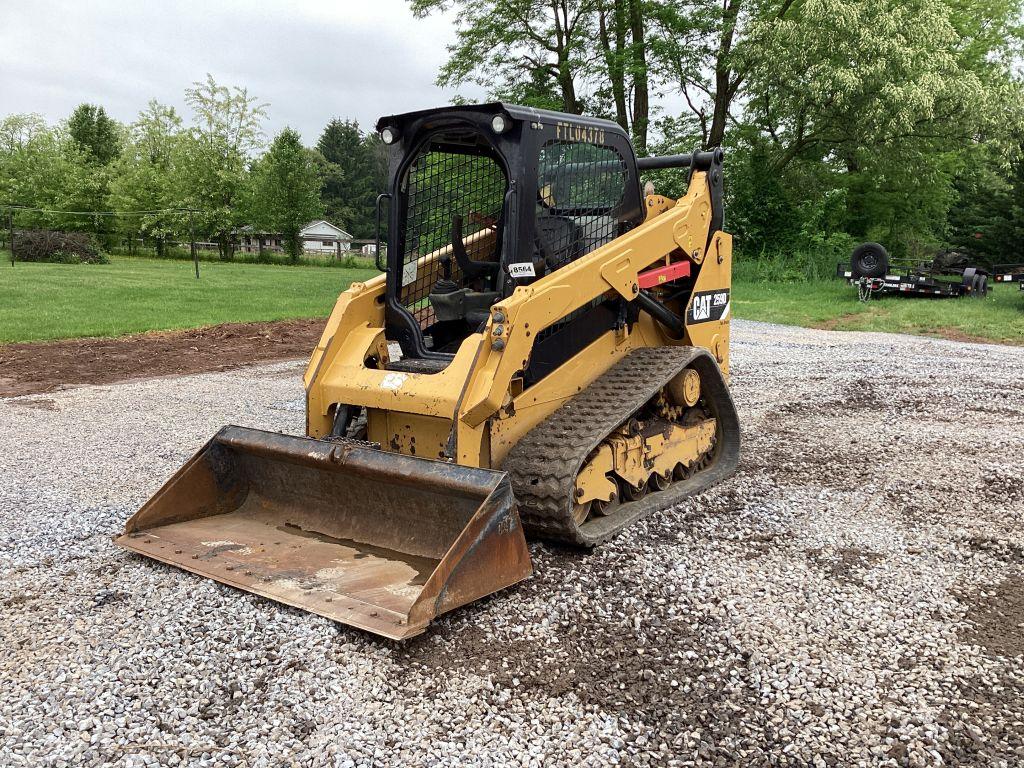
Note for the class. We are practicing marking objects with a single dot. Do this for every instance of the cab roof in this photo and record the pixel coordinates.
(515, 111)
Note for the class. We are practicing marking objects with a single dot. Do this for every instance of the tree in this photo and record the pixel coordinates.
(340, 145)
(284, 190)
(214, 154)
(891, 92)
(987, 218)
(504, 44)
(43, 167)
(571, 55)
(854, 86)
(623, 45)
(144, 177)
(706, 51)
(32, 163)
(16, 131)
(96, 139)
(355, 174)
(607, 56)
(95, 134)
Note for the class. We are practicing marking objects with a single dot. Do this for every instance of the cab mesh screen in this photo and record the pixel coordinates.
(579, 188)
(443, 184)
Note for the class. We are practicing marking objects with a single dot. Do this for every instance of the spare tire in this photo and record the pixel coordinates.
(869, 260)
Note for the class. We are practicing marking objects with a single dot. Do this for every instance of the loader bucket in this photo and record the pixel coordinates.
(376, 540)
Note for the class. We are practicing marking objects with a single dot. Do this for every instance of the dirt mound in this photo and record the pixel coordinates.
(27, 369)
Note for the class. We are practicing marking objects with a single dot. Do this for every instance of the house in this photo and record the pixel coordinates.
(324, 237)
(317, 237)
(251, 241)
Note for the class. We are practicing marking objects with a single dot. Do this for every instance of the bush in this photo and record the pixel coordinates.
(809, 250)
(48, 245)
(813, 259)
(63, 257)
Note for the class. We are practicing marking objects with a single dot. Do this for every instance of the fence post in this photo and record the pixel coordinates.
(192, 242)
(10, 228)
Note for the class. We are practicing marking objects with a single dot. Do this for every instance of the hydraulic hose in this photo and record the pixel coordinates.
(662, 314)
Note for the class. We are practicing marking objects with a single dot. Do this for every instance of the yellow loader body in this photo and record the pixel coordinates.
(561, 370)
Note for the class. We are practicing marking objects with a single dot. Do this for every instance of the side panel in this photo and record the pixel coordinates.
(710, 307)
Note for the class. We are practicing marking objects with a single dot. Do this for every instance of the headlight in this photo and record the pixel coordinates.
(500, 123)
(389, 135)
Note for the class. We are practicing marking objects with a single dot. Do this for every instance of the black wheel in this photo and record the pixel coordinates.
(629, 493)
(869, 260)
(658, 482)
(980, 286)
(682, 472)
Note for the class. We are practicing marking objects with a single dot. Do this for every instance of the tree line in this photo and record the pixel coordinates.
(843, 120)
(171, 180)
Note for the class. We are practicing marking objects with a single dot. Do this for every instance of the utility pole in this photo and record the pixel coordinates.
(192, 241)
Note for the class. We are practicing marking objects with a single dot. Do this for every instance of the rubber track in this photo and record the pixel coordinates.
(543, 465)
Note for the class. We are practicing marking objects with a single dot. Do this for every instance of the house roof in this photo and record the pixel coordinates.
(338, 230)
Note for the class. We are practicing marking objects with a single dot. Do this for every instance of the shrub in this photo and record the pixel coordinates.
(808, 261)
(63, 257)
(56, 247)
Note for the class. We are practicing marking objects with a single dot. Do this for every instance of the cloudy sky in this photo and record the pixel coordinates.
(310, 60)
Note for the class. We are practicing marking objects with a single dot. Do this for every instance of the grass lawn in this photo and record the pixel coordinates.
(131, 295)
(833, 304)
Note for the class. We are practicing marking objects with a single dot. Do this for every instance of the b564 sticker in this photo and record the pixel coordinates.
(706, 306)
(522, 269)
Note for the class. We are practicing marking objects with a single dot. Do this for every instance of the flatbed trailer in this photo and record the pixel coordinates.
(874, 274)
(1009, 273)
(907, 283)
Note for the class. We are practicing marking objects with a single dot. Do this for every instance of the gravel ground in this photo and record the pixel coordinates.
(853, 596)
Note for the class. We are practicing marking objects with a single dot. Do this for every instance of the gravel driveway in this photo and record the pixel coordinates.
(853, 596)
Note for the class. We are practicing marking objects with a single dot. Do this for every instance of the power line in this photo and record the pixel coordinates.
(10, 208)
(97, 213)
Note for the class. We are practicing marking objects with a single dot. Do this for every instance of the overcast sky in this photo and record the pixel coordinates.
(309, 60)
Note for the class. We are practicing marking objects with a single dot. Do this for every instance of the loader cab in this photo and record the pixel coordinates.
(484, 198)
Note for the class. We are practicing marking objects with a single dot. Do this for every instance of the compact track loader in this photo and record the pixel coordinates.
(546, 353)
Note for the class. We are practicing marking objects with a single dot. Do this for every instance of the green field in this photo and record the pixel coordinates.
(130, 295)
(833, 304)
